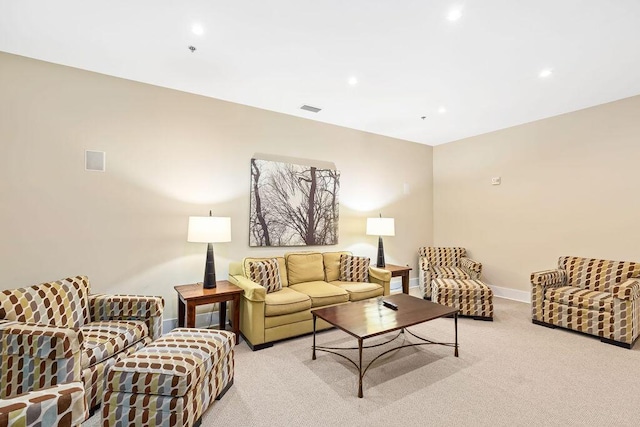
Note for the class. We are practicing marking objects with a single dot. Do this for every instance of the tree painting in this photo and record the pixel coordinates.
(293, 205)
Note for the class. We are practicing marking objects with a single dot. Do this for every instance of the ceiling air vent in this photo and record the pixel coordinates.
(310, 108)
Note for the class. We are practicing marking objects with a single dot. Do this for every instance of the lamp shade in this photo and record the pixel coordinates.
(209, 229)
(381, 227)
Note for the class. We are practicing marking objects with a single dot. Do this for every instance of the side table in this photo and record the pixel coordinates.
(191, 296)
(400, 271)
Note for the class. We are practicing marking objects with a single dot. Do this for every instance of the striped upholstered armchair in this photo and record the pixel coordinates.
(445, 263)
(593, 296)
(57, 333)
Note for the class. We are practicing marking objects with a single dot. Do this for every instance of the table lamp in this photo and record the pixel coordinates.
(209, 229)
(380, 227)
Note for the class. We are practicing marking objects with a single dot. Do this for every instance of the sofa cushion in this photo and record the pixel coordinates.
(580, 298)
(285, 301)
(281, 266)
(304, 267)
(266, 273)
(62, 303)
(354, 268)
(359, 291)
(106, 338)
(322, 293)
(332, 265)
(449, 273)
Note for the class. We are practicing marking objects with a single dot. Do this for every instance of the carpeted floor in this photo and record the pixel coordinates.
(510, 372)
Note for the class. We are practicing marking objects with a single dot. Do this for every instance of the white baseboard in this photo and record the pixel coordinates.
(512, 294)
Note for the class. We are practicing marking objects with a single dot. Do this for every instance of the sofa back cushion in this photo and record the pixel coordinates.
(332, 265)
(304, 267)
(281, 266)
(444, 257)
(597, 274)
(62, 303)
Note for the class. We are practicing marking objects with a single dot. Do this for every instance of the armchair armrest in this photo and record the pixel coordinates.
(38, 356)
(628, 290)
(549, 278)
(473, 268)
(66, 403)
(381, 277)
(252, 290)
(129, 307)
(424, 276)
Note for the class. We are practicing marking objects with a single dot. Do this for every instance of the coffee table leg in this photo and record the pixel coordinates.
(360, 367)
(314, 338)
(455, 322)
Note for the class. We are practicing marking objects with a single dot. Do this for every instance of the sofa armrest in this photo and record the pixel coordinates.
(38, 356)
(549, 278)
(66, 401)
(472, 268)
(129, 307)
(252, 290)
(628, 290)
(381, 277)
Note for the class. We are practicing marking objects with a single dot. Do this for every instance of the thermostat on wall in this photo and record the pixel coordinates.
(496, 180)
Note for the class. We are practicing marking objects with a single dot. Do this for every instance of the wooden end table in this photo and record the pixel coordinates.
(397, 271)
(191, 296)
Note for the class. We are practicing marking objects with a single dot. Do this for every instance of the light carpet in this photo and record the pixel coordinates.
(510, 372)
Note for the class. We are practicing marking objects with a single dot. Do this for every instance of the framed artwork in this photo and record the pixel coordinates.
(293, 204)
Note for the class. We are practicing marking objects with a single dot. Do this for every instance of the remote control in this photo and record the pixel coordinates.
(390, 305)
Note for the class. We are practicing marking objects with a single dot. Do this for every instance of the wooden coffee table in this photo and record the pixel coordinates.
(369, 318)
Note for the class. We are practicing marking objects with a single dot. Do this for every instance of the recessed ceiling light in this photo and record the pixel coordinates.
(197, 29)
(454, 14)
(353, 81)
(545, 73)
(442, 110)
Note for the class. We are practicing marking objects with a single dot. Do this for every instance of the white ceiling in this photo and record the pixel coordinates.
(408, 58)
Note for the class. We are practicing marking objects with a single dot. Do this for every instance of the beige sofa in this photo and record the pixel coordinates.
(309, 280)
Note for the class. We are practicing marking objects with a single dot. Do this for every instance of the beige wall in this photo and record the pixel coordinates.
(169, 155)
(570, 186)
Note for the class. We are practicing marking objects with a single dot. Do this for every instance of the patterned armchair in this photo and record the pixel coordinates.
(445, 263)
(57, 333)
(593, 296)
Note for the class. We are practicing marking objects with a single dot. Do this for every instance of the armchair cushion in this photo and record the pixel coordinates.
(449, 272)
(61, 303)
(104, 339)
(580, 298)
(266, 273)
(354, 268)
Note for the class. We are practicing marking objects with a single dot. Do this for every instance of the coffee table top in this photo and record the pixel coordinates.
(368, 318)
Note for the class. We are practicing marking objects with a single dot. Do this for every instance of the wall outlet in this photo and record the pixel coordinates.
(496, 180)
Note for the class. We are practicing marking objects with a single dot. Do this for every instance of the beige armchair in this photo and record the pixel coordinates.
(445, 263)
